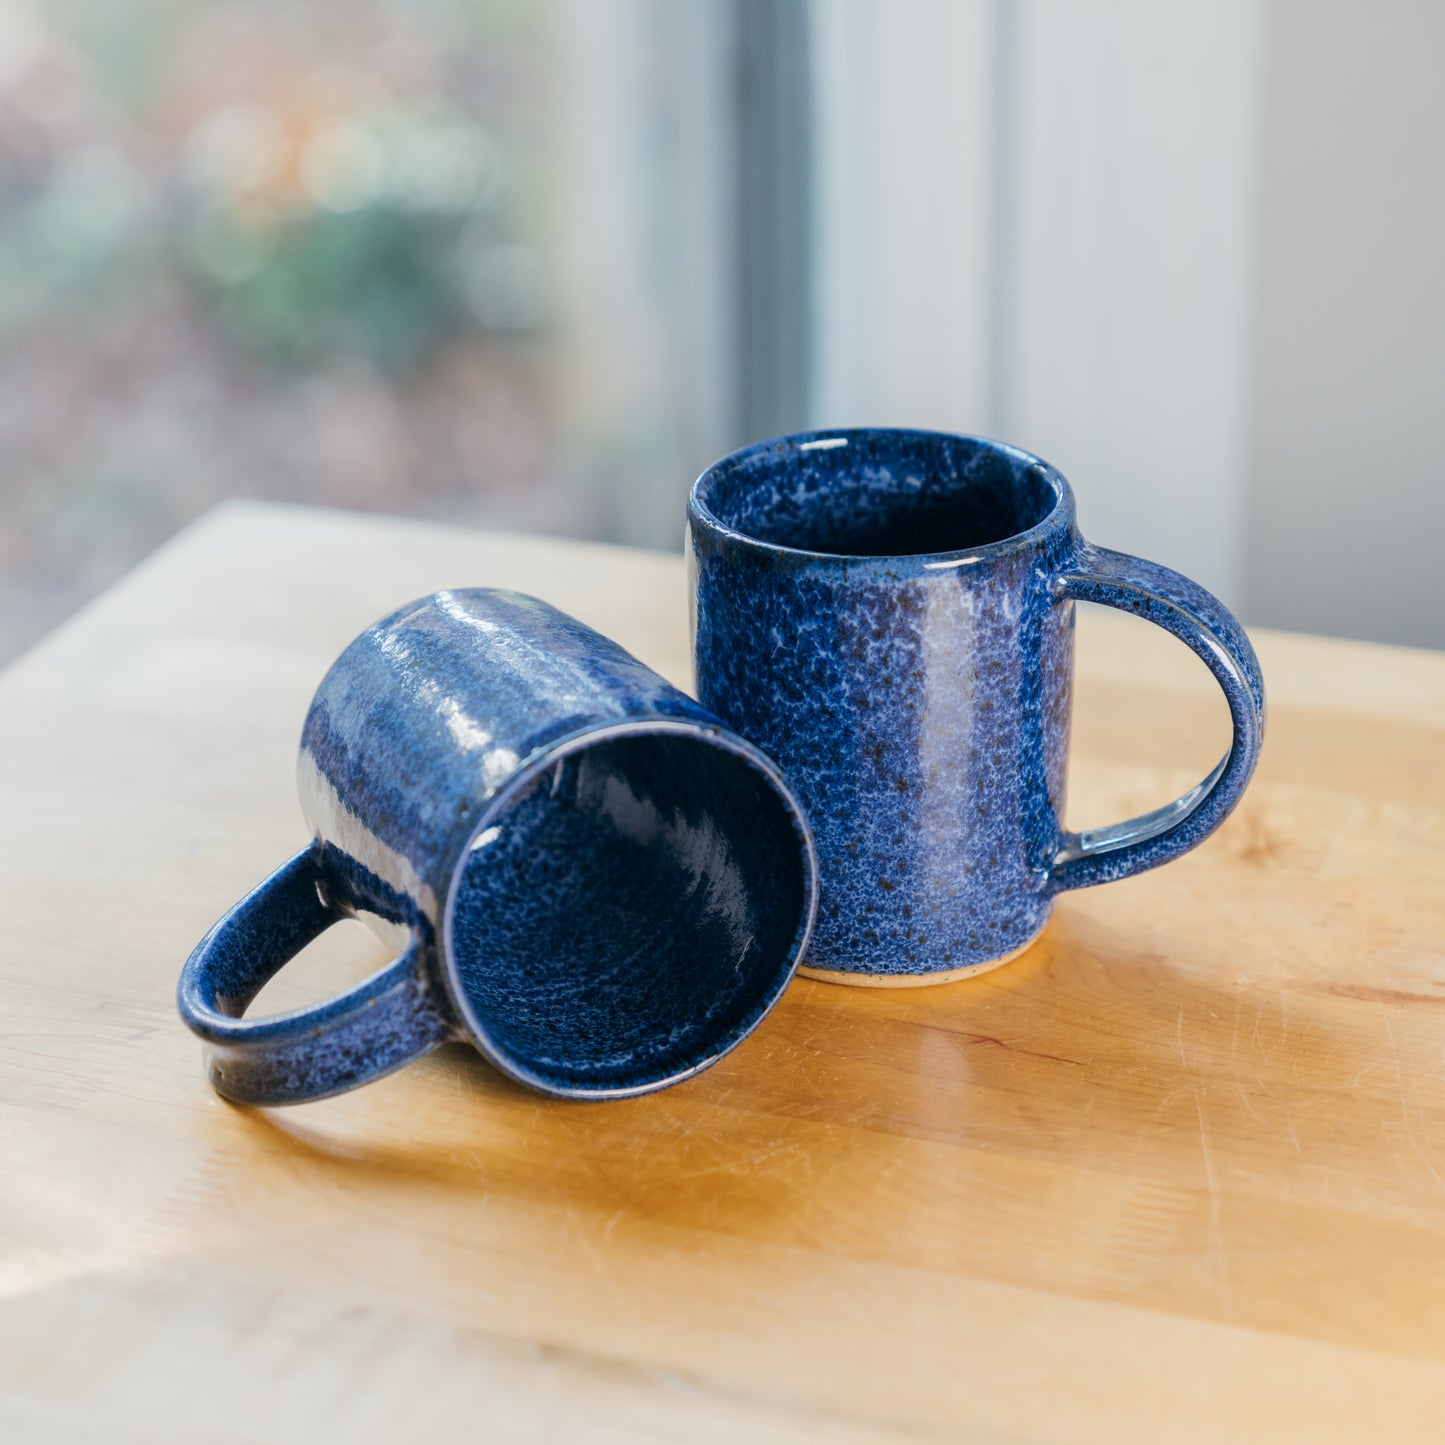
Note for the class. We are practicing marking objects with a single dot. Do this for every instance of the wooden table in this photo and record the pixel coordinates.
(1177, 1174)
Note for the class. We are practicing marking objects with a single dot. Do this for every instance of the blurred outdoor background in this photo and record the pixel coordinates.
(532, 264)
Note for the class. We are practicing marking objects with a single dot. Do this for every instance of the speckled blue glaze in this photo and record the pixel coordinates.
(586, 874)
(889, 615)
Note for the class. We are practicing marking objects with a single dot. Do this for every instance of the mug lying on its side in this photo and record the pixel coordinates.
(596, 883)
(890, 615)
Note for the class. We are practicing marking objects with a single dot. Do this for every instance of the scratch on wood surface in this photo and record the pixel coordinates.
(1294, 1138)
(967, 1039)
(1423, 1152)
(1371, 993)
(198, 1200)
(1249, 1108)
(1145, 1239)
(1216, 1229)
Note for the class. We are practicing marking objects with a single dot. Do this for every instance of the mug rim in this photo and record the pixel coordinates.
(1060, 517)
(525, 773)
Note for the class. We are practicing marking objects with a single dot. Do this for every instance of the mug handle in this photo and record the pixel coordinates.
(1210, 630)
(384, 1022)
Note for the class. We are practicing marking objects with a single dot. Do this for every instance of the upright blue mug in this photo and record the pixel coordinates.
(889, 615)
(588, 876)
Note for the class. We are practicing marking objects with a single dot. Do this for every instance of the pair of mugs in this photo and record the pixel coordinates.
(605, 885)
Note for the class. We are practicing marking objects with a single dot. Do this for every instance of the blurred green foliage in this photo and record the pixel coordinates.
(316, 213)
(378, 283)
(373, 236)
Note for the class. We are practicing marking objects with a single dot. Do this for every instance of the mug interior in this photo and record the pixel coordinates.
(880, 493)
(629, 913)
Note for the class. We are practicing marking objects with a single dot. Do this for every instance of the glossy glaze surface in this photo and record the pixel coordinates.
(594, 880)
(630, 910)
(889, 615)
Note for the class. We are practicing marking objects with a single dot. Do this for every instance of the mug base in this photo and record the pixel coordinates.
(914, 980)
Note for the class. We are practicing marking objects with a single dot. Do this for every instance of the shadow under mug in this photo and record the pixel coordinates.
(889, 615)
(588, 876)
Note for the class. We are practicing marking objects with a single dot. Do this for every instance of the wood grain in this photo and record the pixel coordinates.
(1176, 1174)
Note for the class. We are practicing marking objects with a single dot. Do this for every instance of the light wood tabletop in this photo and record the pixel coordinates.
(1177, 1174)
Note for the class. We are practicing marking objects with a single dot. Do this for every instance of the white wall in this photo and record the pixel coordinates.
(1127, 196)
(1034, 220)
(1347, 509)
(903, 94)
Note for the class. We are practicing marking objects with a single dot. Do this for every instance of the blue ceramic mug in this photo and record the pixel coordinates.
(889, 615)
(589, 877)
